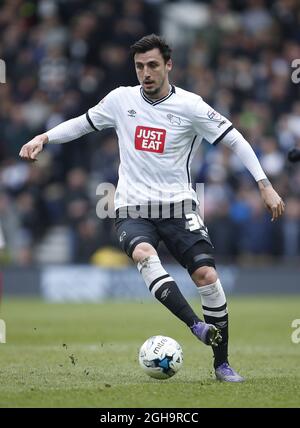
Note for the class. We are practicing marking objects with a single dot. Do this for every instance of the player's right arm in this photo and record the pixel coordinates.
(31, 149)
(98, 117)
(62, 133)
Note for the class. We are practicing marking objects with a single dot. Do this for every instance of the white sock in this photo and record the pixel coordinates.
(153, 273)
(213, 299)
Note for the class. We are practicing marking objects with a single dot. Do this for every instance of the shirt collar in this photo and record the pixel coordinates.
(155, 102)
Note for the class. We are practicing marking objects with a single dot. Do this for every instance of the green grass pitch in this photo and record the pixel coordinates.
(85, 355)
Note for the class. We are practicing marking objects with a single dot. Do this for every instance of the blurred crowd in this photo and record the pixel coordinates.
(63, 56)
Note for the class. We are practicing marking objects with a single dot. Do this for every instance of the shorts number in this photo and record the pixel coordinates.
(194, 221)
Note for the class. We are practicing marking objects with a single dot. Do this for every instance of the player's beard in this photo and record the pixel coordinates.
(154, 91)
(151, 92)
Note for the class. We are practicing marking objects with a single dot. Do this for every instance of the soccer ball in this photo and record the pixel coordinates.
(160, 357)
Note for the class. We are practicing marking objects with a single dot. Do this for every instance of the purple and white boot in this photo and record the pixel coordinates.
(207, 333)
(226, 373)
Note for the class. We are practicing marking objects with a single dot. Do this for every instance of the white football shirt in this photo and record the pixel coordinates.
(157, 141)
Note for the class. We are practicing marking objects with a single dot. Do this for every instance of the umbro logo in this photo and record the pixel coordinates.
(131, 113)
(203, 233)
(221, 324)
(122, 236)
(165, 294)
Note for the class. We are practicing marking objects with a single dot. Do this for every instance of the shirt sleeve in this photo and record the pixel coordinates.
(103, 114)
(208, 123)
(244, 151)
(69, 130)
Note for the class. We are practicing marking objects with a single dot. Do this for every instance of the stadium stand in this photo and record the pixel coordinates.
(63, 57)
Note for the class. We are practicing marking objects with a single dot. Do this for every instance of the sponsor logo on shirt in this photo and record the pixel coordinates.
(150, 139)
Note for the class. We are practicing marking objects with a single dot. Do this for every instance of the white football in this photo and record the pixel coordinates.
(160, 357)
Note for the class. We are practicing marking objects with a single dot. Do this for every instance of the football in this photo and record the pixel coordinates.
(160, 357)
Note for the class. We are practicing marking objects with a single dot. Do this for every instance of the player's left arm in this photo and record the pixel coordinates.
(244, 151)
(218, 129)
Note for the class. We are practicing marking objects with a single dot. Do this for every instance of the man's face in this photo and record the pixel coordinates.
(152, 71)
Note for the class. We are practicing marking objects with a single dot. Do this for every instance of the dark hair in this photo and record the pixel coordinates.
(149, 42)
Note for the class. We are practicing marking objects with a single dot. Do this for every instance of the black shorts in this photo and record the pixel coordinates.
(186, 238)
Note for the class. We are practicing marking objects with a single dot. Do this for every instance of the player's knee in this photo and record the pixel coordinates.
(142, 251)
(204, 275)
